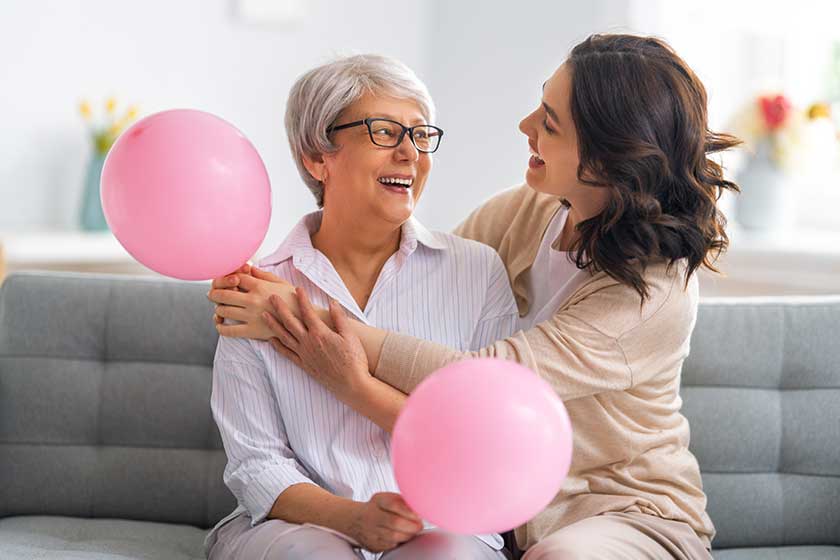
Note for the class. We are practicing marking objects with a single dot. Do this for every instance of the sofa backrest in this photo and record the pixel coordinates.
(761, 390)
(105, 387)
(104, 399)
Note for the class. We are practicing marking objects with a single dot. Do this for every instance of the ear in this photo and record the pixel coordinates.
(316, 166)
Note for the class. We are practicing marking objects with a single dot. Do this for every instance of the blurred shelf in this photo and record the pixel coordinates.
(795, 263)
(74, 251)
(798, 262)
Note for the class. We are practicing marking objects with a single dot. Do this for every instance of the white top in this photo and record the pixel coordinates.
(553, 276)
(280, 427)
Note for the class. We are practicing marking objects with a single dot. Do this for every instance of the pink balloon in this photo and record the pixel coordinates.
(481, 446)
(186, 194)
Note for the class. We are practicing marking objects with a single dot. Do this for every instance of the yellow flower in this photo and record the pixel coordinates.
(110, 105)
(819, 110)
(129, 116)
(84, 109)
(115, 129)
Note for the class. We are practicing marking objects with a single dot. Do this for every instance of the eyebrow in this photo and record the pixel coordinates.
(415, 121)
(549, 110)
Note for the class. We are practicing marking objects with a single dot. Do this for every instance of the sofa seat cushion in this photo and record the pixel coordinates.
(74, 538)
(779, 553)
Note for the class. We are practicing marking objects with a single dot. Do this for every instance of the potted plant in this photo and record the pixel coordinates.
(784, 146)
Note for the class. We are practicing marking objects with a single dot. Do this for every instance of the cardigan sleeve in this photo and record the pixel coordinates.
(575, 357)
(602, 342)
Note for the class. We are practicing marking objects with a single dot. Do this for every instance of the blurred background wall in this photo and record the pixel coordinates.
(163, 54)
(484, 64)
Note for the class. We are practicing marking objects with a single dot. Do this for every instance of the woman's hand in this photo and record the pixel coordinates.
(243, 296)
(384, 522)
(228, 282)
(334, 358)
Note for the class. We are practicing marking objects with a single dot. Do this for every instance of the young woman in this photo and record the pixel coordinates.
(619, 183)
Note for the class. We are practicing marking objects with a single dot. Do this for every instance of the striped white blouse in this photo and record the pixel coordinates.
(279, 427)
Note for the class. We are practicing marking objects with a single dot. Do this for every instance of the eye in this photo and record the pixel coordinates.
(383, 131)
(546, 127)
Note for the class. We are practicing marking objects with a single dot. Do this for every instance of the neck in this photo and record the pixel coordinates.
(357, 248)
(569, 235)
(584, 207)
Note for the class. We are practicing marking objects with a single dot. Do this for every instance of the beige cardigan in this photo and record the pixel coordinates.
(616, 366)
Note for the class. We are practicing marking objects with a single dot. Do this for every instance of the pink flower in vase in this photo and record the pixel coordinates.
(775, 110)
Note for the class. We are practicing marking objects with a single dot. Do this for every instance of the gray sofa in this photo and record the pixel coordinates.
(108, 448)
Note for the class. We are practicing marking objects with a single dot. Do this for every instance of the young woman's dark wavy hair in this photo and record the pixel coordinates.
(640, 115)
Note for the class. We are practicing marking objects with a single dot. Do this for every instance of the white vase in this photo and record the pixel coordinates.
(768, 198)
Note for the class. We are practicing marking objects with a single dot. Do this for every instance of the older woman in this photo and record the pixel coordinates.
(620, 187)
(312, 474)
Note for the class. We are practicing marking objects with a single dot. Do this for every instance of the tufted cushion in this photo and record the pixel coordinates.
(761, 390)
(70, 538)
(104, 399)
(108, 447)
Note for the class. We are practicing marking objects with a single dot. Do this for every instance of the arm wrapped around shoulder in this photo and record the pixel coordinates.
(600, 339)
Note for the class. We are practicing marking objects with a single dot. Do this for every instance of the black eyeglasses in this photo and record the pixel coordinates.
(389, 134)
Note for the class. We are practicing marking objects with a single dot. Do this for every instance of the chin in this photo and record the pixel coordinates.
(397, 216)
(540, 185)
(534, 182)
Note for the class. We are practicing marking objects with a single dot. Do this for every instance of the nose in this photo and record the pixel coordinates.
(406, 151)
(525, 124)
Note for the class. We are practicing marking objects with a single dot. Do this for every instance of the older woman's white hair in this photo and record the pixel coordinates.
(320, 95)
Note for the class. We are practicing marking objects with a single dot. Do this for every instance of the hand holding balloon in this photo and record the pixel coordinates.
(243, 297)
(383, 522)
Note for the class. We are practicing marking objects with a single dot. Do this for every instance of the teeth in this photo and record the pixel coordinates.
(536, 155)
(396, 181)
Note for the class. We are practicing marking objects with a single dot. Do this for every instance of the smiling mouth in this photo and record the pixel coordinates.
(398, 182)
(535, 162)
